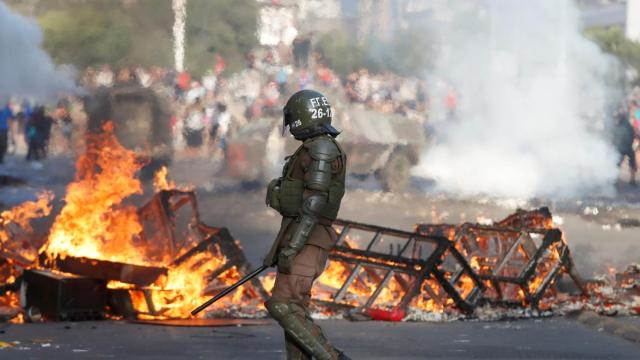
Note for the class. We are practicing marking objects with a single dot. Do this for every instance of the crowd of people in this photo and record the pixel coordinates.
(207, 109)
(29, 124)
(386, 92)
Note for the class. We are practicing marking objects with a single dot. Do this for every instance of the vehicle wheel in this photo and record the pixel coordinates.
(394, 177)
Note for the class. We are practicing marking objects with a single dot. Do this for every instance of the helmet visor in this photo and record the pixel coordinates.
(286, 120)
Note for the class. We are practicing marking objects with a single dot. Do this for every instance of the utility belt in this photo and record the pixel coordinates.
(321, 220)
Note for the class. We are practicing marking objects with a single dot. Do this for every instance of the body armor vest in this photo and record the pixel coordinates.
(285, 194)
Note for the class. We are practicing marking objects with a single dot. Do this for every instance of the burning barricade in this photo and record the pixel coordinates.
(516, 262)
(104, 257)
(372, 267)
(519, 259)
(16, 253)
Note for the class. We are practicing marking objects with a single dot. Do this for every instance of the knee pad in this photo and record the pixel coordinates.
(277, 309)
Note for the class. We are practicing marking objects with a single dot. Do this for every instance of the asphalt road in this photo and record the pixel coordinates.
(555, 338)
(594, 240)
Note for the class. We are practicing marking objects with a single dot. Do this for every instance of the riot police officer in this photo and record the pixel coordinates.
(623, 138)
(308, 196)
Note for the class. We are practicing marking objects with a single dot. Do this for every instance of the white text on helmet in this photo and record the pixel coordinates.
(315, 102)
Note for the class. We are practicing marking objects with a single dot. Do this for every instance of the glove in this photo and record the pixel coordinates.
(286, 257)
(269, 262)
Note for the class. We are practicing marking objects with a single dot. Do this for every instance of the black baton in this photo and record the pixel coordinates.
(226, 291)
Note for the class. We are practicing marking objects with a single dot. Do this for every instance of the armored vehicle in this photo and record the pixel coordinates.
(386, 146)
(141, 118)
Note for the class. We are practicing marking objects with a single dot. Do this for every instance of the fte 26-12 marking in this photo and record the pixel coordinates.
(320, 108)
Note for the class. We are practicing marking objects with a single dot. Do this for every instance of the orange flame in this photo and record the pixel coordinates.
(96, 224)
(15, 228)
(160, 181)
(93, 222)
(22, 215)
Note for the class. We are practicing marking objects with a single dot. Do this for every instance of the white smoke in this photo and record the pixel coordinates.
(26, 70)
(530, 88)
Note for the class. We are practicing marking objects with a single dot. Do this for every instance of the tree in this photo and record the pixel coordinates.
(343, 53)
(612, 40)
(84, 36)
(406, 53)
(139, 32)
(225, 27)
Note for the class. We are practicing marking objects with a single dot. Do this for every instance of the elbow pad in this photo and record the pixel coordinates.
(311, 210)
(304, 227)
(323, 152)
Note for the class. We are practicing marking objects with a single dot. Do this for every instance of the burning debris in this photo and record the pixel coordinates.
(515, 264)
(617, 293)
(104, 257)
(158, 261)
(16, 253)
(58, 296)
(629, 280)
(375, 267)
(519, 259)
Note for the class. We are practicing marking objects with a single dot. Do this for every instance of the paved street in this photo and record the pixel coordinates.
(555, 338)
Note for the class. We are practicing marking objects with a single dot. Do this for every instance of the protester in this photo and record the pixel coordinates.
(194, 125)
(104, 77)
(301, 49)
(281, 80)
(623, 137)
(38, 131)
(183, 80)
(304, 79)
(6, 115)
(220, 65)
(209, 81)
(63, 117)
(220, 126)
(635, 115)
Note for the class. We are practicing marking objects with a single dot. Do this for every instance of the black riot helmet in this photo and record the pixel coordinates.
(308, 114)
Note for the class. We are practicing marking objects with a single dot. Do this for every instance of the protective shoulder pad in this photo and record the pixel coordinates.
(322, 148)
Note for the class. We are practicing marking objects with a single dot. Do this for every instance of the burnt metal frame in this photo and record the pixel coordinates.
(551, 237)
(165, 204)
(163, 207)
(229, 248)
(121, 303)
(220, 237)
(420, 270)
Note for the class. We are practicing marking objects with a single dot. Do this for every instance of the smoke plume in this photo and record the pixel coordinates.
(25, 69)
(531, 93)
